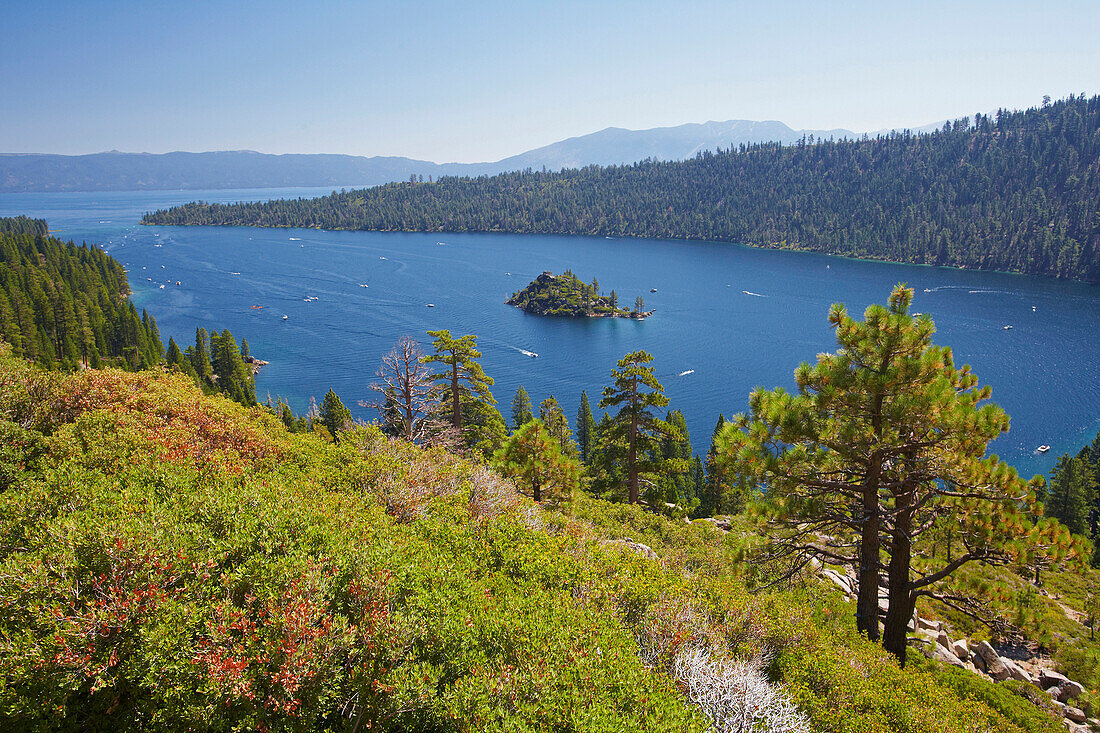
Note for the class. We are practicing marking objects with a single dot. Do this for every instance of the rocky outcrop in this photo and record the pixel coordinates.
(628, 544)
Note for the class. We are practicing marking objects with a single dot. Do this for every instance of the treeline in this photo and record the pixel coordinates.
(1014, 191)
(64, 306)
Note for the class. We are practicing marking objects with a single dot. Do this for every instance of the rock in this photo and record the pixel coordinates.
(977, 661)
(838, 580)
(1015, 671)
(1069, 690)
(941, 654)
(629, 544)
(960, 650)
(1077, 715)
(1048, 678)
(994, 665)
(923, 623)
(944, 640)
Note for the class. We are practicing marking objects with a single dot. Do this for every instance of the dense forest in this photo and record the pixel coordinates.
(66, 306)
(1014, 191)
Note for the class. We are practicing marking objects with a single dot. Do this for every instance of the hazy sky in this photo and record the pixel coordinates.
(473, 81)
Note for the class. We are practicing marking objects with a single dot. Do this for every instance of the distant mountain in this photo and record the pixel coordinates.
(616, 146)
(115, 171)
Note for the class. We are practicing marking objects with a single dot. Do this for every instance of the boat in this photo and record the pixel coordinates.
(257, 307)
(178, 282)
(1043, 448)
(685, 373)
(653, 290)
(430, 305)
(285, 316)
(1008, 328)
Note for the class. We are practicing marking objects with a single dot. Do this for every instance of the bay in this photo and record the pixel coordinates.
(728, 318)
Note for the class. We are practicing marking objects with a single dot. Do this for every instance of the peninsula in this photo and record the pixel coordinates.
(567, 295)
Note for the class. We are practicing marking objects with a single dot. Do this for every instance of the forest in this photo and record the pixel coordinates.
(1013, 191)
(68, 306)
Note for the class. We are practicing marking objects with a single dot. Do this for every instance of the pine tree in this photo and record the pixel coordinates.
(467, 401)
(1072, 493)
(334, 415)
(553, 418)
(534, 458)
(636, 392)
(586, 425)
(522, 411)
(884, 441)
(233, 377)
(200, 357)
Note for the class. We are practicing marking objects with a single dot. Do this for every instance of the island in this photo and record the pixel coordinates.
(569, 296)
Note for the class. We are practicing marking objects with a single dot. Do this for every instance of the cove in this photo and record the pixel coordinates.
(728, 318)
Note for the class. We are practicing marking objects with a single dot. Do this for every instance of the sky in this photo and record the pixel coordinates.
(477, 81)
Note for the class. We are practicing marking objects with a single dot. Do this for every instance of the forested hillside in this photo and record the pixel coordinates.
(200, 568)
(66, 306)
(1016, 191)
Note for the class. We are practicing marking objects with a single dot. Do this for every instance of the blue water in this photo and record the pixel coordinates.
(1044, 371)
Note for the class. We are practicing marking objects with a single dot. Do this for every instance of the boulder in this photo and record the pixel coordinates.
(944, 640)
(960, 649)
(1069, 690)
(941, 654)
(1016, 672)
(977, 661)
(994, 665)
(1077, 715)
(923, 623)
(1048, 678)
(840, 581)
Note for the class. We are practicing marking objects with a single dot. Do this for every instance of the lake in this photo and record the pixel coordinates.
(728, 318)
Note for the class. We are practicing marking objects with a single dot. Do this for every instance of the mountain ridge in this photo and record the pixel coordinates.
(226, 169)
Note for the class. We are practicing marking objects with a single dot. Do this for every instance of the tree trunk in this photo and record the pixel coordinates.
(895, 635)
(536, 492)
(456, 404)
(867, 590)
(632, 471)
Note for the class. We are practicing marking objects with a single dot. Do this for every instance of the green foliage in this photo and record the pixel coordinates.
(557, 424)
(466, 400)
(636, 392)
(521, 409)
(334, 416)
(1013, 191)
(65, 307)
(586, 428)
(886, 440)
(534, 457)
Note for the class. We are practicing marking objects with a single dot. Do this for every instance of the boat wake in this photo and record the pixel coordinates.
(295, 239)
(755, 295)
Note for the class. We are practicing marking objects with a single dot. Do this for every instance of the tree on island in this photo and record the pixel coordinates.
(522, 411)
(534, 458)
(884, 442)
(636, 392)
(410, 398)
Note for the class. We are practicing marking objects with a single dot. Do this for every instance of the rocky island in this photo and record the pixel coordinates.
(567, 295)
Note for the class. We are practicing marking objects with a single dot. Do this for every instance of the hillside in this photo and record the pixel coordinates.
(67, 306)
(1013, 192)
(176, 561)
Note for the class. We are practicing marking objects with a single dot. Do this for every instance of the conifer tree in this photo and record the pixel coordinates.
(636, 392)
(466, 399)
(586, 426)
(334, 415)
(885, 440)
(536, 460)
(1071, 493)
(522, 411)
(553, 418)
(234, 378)
(200, 357)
